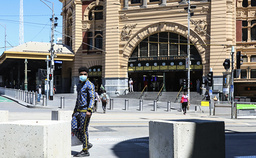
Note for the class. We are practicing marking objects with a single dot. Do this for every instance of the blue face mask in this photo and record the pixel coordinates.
(82, 78)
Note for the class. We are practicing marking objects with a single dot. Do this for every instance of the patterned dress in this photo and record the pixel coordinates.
(84, 103)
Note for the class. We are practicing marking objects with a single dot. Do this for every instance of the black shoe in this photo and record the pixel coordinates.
(83, 153)
(89, 145)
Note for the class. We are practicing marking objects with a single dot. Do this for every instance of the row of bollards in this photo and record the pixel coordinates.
(27, 96)
(126, 105)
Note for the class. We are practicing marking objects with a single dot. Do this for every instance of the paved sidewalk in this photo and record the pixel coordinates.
(124, 133)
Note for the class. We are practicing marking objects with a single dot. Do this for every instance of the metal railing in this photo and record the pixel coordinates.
(142, 92)
(159, 93)
(178, 94)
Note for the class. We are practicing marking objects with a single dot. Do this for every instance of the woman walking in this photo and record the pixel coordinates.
(184, 101)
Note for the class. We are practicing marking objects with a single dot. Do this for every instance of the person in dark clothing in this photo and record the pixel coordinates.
(83, 111)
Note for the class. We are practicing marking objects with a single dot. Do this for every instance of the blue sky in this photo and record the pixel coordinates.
(37, 24)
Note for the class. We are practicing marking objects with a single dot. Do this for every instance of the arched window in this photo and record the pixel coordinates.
(68, 40)
(96, 13)
(164, 44)
(245, 3)
(253, 30)
(98, 41)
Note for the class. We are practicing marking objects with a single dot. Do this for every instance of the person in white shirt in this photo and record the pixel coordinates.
(131, 85)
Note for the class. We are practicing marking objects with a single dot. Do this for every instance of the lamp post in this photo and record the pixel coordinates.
(188, 51)
(4, 26)
(188, 9)
(54, 24)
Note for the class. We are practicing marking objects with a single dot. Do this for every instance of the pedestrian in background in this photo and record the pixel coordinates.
(184, 101)
(131, 85)
(83, 111)
(104, 100)
(39, 93)
(97, 99)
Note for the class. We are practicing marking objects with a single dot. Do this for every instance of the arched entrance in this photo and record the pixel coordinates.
(160, 59)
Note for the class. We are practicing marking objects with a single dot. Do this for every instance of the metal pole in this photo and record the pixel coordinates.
(126, 104)
(168, 106)
(26, 75)
(44, 100)
(211, 100)
(51, 49)
(188, 51)
(141, 105)
(155, 105)
(232, 82)
(62, 102)
(111, 104)
(34, 98)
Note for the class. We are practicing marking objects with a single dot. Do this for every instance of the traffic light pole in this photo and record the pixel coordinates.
(188, 51)
(232, 84)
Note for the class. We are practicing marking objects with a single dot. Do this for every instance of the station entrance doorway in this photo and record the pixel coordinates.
(170, 81)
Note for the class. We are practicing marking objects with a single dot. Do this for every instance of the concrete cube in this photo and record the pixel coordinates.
(62, 115)
(187, 139)
(31, 139)
(4, 116)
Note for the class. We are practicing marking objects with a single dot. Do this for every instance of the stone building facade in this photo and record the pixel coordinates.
(146, 40)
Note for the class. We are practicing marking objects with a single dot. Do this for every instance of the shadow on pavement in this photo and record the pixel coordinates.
(240, 145)
(135, 148)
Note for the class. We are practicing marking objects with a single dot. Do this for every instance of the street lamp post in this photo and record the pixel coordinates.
(188, 50)
(53, 20)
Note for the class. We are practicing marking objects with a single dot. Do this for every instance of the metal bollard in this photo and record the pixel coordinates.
(111, 104)
(126, 104)
(168, 106)
(196, 108)
(62, 102)
(141, 105)
(34, 98)
(44, 100)
(155, 105)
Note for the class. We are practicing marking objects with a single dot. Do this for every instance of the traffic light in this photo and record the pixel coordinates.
(184, 83)
(210, 78)
(226, 64)
(50, 76)
(239, 60)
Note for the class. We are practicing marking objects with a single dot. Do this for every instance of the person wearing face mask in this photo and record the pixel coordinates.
(83, 111)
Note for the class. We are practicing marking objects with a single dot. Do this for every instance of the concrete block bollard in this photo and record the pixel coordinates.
(187, 138)
(4, 116)
(62, 115)
(31, 138)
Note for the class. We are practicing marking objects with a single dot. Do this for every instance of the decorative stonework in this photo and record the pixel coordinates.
(86, 25)
(123, 17)
(204, 10)
(195, 38)
(126, 31)
(200, 26)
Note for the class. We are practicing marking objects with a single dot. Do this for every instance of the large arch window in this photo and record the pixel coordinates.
(96, 13)
(164, 44)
